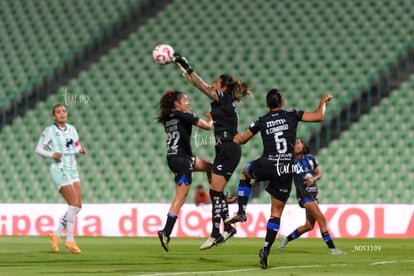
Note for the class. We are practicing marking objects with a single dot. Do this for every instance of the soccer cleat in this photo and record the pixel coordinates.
(236, 218)
(336, 251)
(283, 242)
(212, 241)
(164, 239)
(263, 258)
(73, 247)
(228, 234)
(54, 240)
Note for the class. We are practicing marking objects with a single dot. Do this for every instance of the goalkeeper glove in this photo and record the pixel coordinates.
(182, 62)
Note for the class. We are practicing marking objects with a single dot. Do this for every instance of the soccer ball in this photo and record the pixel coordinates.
(163, 54)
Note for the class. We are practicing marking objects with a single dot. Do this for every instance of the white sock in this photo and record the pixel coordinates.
(62, 224)
(71, 214)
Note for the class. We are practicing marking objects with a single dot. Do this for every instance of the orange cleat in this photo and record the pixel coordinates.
(54, 240)
(73, 247)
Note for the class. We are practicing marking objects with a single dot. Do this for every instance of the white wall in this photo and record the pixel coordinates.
(359, 220)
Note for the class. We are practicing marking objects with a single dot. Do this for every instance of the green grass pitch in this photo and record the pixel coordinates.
(239, 256)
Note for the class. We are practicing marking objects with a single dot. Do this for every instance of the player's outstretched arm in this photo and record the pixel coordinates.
(207, 89)
(319, 114)
(193, 78)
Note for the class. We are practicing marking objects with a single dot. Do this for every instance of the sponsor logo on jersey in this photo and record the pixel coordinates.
(277, 122)
(69, 142)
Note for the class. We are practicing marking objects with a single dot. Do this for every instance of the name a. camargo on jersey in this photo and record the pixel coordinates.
(276, 129)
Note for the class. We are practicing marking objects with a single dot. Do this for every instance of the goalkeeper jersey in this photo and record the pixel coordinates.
(65, 141)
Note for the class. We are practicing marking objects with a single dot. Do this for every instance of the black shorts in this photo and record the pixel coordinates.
(228, 155)
(280, 184)
(303, 195)
(182, 166)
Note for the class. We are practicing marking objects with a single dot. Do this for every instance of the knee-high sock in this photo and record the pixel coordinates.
(273, 225)
(70, 221)
(169, 225)
(62, 224)
(225, 212)
(216, 198)
(243, 192)
(294, 235)
(328, 240)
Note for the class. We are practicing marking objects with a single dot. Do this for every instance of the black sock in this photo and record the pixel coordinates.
(294, 235)
(169, 225)
(225, 212)
(216, 210)
(273, 225)
(328, 240)
(243, 192)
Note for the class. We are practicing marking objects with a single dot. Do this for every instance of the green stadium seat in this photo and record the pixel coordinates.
(41, 36)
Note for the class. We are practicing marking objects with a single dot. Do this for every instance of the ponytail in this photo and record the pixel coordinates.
(237, 88)
(274, 98)
(166, 104)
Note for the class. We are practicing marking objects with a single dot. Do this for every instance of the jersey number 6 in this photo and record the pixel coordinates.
(281, 144)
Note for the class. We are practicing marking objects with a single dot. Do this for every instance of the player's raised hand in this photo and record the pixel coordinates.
(182, 63)
(326, 98)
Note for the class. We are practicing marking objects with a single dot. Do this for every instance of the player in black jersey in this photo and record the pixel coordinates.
(278, 131)
(178, 120)
(225, 92)
(305, 175)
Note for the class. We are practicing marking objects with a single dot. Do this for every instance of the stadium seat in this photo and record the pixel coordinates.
(380, 158)
(41, 36)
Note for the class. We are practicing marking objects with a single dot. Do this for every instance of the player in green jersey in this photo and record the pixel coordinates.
(60, 142)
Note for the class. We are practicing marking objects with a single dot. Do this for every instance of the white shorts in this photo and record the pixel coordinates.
(63, 177)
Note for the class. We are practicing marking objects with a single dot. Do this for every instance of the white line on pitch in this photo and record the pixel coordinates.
(392, 262)
(198, 272)
(235, 270)
(273, 268)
